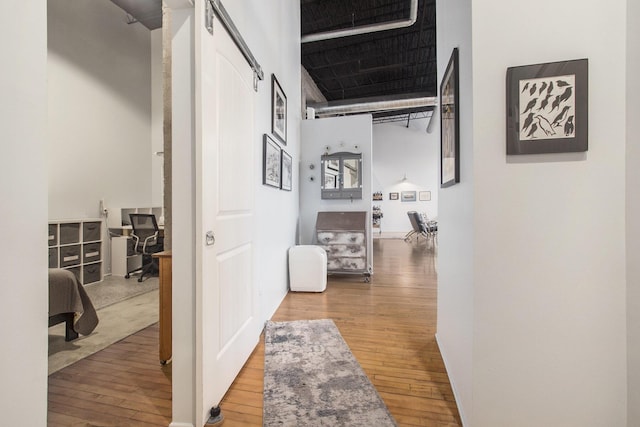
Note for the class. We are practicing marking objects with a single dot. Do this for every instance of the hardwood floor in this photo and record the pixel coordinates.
(123, 385)
(389, 324)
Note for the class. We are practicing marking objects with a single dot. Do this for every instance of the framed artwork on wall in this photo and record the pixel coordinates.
(271, 162)
(450, 124)
(408, 196)
(278, 111)
(393, 196)
(286, 172)
(547, 107)
(425, 196)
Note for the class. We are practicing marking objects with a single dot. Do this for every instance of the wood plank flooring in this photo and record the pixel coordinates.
(389, 324)
(123, 385)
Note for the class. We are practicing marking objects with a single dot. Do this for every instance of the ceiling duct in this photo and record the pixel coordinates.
(147, 12)
(373, 105)
(364, 29)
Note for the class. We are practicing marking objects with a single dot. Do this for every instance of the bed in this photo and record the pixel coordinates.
(69, 303)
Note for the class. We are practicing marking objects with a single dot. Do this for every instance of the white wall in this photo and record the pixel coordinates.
(549, 324)
(398, 150)
(272, 31)
(157, 120)
(183, 213)
(456, 246)
(340, 134)
(23, 191)
(633, 212)
(99, 103)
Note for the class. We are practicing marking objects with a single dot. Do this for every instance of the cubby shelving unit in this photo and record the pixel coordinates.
(76, 245)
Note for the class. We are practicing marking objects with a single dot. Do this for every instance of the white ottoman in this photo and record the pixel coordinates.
(307, 268)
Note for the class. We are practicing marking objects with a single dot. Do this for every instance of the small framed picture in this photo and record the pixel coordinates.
(424, 196)
(408, 196)
(271, 162)
(547, 107)
(393, 196)
(286, 171)
(278, 111)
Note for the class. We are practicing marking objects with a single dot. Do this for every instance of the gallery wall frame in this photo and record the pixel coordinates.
(286, 171)
(278, 111)
(393, 196)
(271, 162)
(408, 196)
(424, 196)
(450, 123)
(547, 107)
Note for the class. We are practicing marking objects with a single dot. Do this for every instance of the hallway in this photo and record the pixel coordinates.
(389, 324)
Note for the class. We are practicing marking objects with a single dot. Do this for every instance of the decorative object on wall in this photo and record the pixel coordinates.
(547, 107)
(271, 162)
(393, 196)
(408, 196)
(424, 196)
(341, 176)
(377, 195)
(286, 171)
(450, 124)
(278, 110)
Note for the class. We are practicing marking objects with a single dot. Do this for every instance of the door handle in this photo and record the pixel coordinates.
(210, 238)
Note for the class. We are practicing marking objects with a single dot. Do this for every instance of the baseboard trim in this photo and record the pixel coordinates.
(453, 386)
(389, 235)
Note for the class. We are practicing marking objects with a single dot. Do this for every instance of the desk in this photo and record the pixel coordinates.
(164, 259)
(124, 259)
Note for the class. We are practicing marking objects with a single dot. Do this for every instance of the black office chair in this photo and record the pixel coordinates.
(147, 241)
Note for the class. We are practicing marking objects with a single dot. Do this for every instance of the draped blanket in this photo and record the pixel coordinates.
(67, 295)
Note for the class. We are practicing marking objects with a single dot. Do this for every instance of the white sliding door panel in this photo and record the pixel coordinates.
(226, 294)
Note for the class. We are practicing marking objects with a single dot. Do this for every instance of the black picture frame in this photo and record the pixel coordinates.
(286, 171)
(278, 111)
(548, 108)
(450, 123)
(271, 162)
(393, 196)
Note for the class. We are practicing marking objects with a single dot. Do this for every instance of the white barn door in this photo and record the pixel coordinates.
(225, 183)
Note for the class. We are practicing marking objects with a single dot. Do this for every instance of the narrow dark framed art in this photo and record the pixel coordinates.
(547, 107)
(271, 167)
(450, 123)
(286, 171)
(278, 111)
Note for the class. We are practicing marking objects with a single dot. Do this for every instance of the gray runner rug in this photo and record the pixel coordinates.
(312, 379)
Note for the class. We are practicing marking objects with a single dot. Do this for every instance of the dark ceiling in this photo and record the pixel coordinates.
(394, 64)
(397, 62)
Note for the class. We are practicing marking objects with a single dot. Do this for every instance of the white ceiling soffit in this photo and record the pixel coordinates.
(147, 12)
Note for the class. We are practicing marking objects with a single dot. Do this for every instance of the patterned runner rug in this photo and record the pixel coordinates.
(312, 379)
